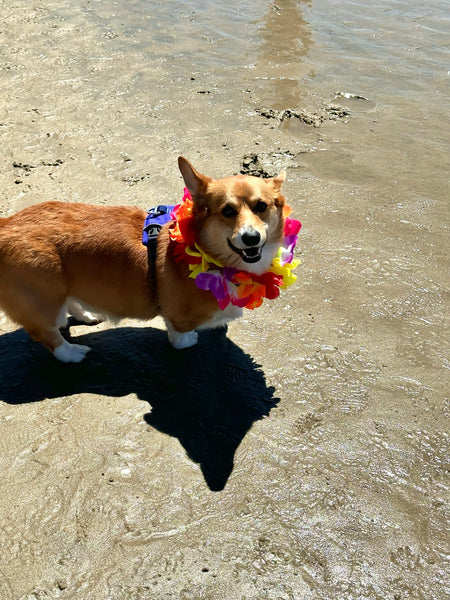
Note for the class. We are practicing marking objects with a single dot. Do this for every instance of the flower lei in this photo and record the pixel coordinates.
(227, 284)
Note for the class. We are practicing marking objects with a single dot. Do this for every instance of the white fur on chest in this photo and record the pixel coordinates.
(221, 317)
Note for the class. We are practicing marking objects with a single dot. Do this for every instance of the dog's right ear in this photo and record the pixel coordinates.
(195, 182)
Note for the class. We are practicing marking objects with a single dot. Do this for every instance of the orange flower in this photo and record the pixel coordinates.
(183, 229)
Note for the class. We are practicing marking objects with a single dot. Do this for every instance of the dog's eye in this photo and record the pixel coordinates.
(260, 207)
(228, 211)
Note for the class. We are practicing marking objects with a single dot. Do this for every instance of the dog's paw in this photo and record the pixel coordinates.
(183, 340)
(89, 318)
(81, 314)
(70, 353)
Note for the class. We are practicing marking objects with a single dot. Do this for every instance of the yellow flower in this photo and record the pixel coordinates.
(285, 271)
(206, 263)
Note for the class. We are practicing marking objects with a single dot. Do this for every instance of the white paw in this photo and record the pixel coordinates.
(183, 340)
(70, 352)
(80, 313)
(89, 318)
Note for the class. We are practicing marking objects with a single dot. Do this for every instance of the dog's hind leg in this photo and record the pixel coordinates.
(42, 312)
(46, 331)
(82, 314)
(68, 353)
(51, 338)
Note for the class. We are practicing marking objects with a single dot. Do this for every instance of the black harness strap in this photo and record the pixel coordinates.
(156, 218)
(151, 256)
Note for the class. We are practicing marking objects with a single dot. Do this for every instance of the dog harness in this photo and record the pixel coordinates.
(228, 285)
(156, 218)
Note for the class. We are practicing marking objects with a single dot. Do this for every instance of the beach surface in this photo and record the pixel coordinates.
(302, 455)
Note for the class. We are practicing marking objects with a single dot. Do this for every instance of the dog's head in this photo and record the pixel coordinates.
(239, 220)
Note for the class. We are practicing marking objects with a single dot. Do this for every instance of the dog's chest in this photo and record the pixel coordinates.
(222, 317)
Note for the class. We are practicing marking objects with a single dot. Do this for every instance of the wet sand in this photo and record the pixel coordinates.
(303, 455)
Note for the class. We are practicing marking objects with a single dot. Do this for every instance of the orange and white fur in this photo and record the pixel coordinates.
(59, 258)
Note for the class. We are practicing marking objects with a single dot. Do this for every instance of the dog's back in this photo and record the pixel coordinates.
(55, 250)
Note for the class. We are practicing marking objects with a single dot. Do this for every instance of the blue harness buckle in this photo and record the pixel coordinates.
(156, 218)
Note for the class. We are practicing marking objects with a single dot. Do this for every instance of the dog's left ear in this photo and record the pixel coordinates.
(195, 182)
(277, 181)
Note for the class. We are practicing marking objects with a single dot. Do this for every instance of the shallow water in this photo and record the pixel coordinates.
(324, 415)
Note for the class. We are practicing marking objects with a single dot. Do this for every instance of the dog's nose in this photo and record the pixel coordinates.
(251, 238)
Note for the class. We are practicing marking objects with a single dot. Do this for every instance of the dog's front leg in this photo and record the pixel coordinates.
(178, 339)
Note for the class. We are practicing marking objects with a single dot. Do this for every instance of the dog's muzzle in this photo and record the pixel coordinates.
(252, 253)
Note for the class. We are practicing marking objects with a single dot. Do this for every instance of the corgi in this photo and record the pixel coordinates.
(61, 258)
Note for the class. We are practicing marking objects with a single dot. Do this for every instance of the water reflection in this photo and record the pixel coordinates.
(260, 45)
(285, 40)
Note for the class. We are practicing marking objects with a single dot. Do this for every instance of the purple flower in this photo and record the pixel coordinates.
(287, 254)
(214, 282)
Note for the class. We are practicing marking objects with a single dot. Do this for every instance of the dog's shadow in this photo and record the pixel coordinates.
(207, 396)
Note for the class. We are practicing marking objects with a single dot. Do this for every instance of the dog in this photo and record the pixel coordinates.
(61, 258)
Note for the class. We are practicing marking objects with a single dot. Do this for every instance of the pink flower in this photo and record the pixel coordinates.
(291, 226)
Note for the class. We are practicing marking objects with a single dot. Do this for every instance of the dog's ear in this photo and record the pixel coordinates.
(195, 182)
(277, 181)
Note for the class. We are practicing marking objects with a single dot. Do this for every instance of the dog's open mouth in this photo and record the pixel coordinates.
(248, 255)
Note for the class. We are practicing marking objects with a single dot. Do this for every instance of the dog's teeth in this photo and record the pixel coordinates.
(252, 252)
